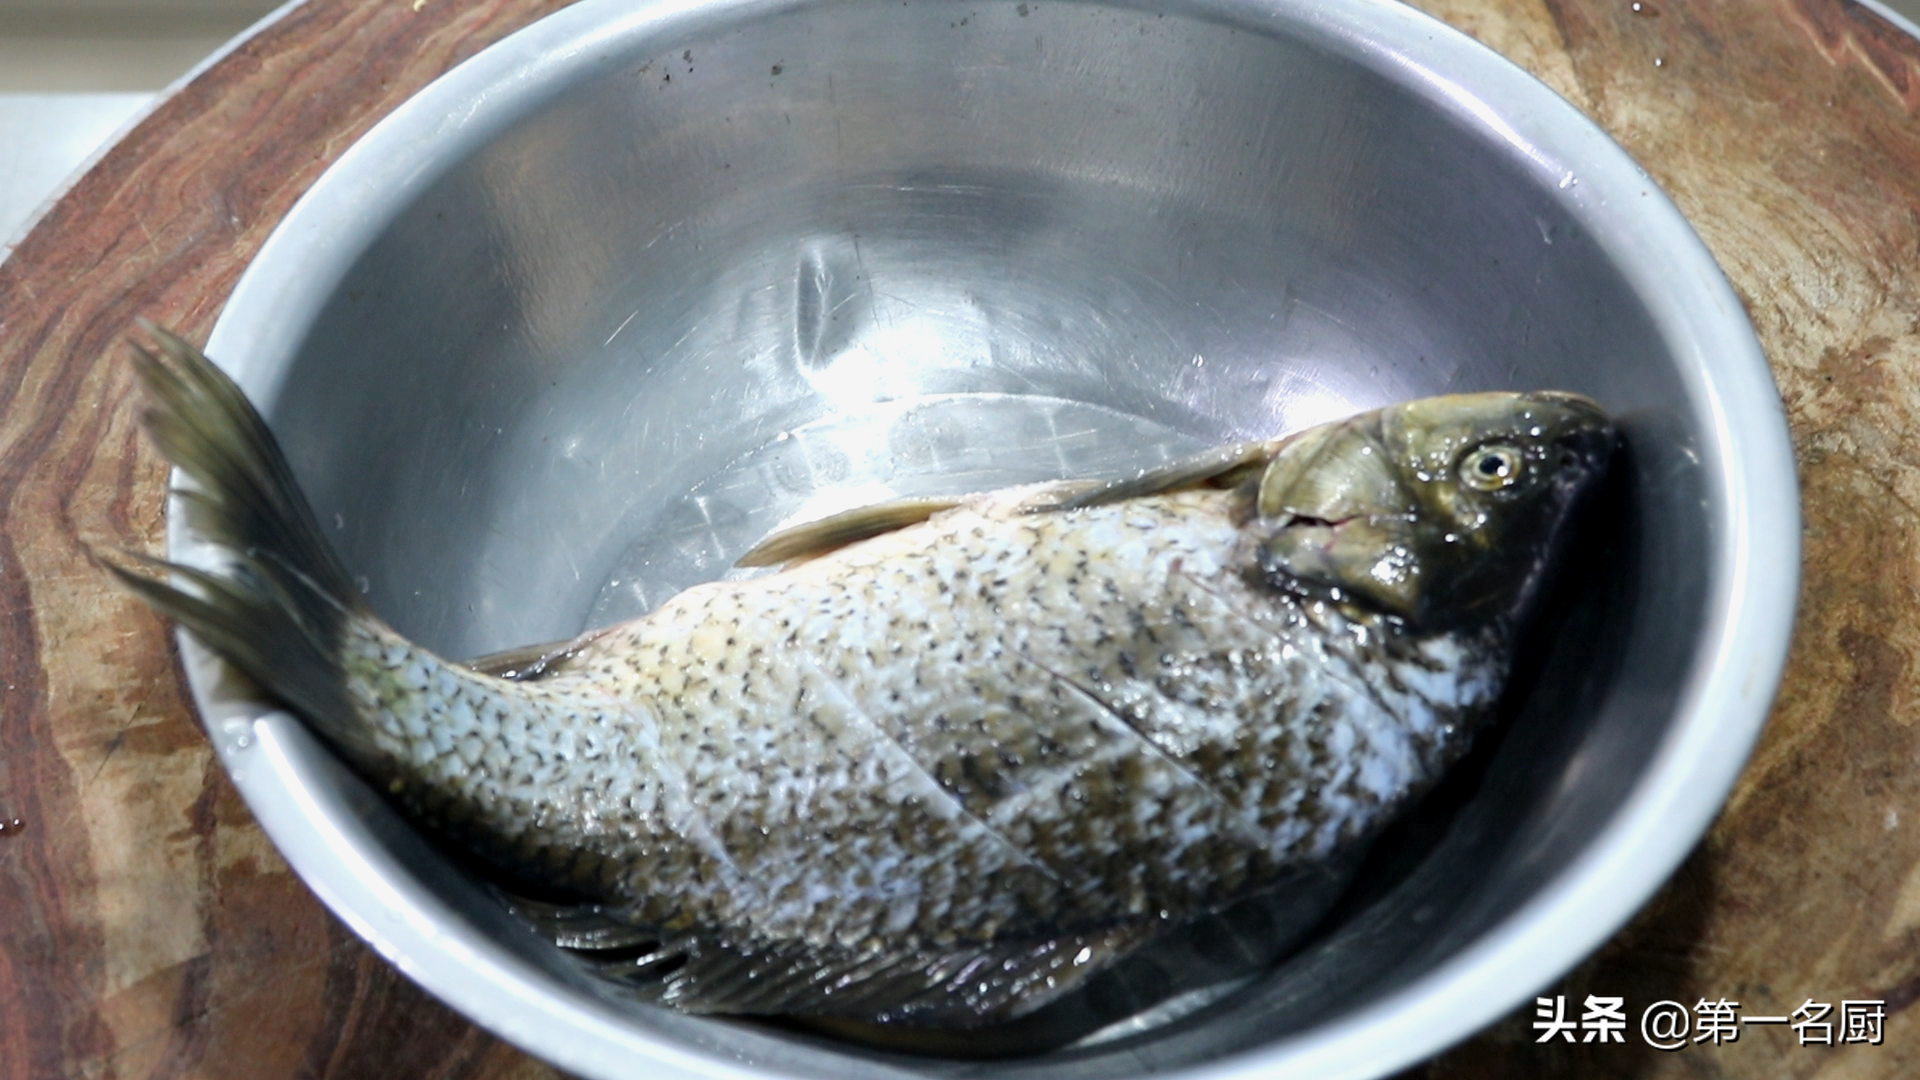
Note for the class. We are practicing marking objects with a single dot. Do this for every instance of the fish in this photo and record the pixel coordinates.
(946, 760)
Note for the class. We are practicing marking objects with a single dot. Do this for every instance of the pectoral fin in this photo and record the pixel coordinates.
(956, 986)
(959, 987)
(836, 531)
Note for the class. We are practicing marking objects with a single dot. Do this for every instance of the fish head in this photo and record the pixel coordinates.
(1441, 511)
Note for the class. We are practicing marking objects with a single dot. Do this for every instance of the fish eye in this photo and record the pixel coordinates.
(1492, 467)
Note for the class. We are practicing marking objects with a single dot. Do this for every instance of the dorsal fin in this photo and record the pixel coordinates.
(835, 531)
(526, 663)
(1211, 465)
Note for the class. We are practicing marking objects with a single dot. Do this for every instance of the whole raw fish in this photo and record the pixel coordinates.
(957, 755)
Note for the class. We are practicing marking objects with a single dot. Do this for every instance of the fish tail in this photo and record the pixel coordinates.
(282, 603)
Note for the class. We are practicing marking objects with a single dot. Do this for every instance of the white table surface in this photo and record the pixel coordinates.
(44, 141)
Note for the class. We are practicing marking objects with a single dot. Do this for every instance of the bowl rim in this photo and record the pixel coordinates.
(1747, 459)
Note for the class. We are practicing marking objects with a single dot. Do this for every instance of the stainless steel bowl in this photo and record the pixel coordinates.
(576, 325)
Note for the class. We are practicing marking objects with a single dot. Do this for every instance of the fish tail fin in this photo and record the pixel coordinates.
(279, 607)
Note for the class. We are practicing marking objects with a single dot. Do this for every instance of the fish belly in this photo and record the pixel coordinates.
(994, 725)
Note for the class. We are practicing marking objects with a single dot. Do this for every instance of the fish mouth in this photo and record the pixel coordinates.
(1568, 399)
(1585, 453)
(1308, 521)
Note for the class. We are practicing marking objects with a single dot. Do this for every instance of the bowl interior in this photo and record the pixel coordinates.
(696, 270)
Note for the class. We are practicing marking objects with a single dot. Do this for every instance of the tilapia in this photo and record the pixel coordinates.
(954, 756)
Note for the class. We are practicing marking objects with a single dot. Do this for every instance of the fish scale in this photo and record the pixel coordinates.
(959, 756)
(1152, 790)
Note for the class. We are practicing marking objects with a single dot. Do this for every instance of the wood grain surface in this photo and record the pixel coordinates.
(148, 929)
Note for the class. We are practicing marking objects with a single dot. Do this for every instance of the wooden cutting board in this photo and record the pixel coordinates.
(148, 929)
